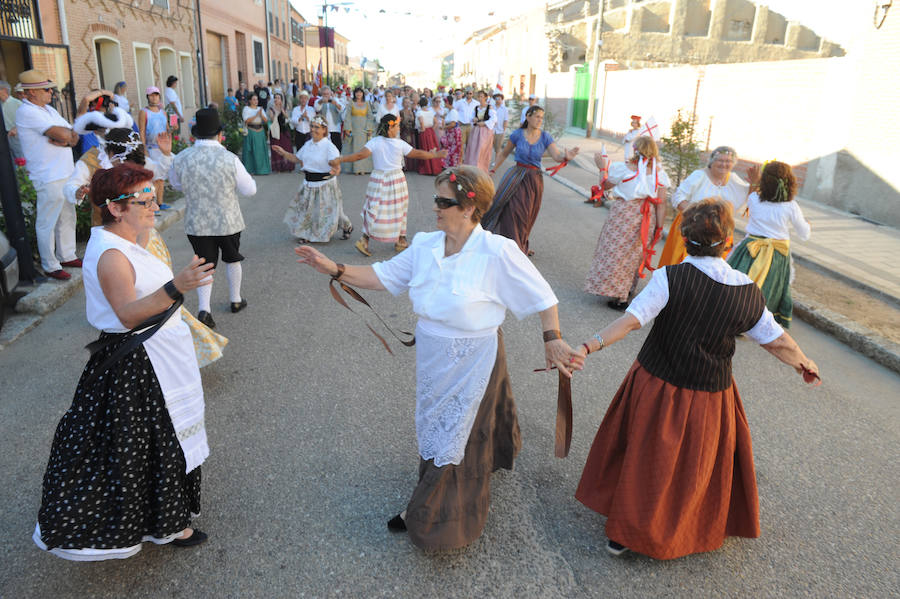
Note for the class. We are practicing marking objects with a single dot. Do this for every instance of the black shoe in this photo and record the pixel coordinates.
(397, 524)
(238, 306)
(615, 548)
(617, 305)
(206, 318)
(196, 538)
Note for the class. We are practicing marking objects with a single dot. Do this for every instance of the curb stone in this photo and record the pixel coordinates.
(50, 295)
(857, 337)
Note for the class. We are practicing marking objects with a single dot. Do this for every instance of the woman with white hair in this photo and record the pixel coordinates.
(715, 180)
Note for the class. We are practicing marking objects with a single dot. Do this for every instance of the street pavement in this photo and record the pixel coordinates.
(313, 448)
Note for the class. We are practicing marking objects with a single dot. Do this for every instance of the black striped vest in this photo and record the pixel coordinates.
(692, 340)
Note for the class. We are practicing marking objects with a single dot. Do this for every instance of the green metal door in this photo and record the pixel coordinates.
(580, 96)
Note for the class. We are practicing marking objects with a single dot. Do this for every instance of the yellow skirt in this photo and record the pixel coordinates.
(208, 344)
(673, 252)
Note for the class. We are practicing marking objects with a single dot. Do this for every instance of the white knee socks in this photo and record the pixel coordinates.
(233, 272)
(203, 294)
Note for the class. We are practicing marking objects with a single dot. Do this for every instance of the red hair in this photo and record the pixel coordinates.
(108, 184)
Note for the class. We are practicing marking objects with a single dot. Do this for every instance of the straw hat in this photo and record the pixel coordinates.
(35, 79)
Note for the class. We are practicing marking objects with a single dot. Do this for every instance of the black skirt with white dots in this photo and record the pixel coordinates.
(116, 475)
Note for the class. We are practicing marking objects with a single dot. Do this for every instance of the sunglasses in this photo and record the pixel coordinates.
(444, 203)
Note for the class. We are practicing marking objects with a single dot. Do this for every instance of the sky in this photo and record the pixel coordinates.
(407, 35)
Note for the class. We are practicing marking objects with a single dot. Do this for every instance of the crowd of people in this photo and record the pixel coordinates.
(671, 465)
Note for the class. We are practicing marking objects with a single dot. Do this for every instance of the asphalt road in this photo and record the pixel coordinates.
(313, 449)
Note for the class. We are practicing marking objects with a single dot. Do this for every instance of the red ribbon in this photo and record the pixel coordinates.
(648, 251)
(597, 193)
(555, 169)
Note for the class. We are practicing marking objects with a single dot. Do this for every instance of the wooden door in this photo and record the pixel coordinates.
(214, 69)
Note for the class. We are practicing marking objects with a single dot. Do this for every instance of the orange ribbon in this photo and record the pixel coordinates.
(648, 251)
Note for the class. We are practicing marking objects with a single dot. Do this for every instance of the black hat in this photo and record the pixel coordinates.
(208, 123)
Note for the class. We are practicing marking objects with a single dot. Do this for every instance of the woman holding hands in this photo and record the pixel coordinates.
(672, 463)
(124, 467)
(461, 280)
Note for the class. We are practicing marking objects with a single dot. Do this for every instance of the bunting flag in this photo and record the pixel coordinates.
(500, 81)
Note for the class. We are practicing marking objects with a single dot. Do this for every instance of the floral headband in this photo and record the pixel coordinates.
(319, 121)
(126, 196)
(469, 194)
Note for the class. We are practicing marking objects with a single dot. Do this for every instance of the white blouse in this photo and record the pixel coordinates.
(315, 156)
(427, 117)
(774, 219)
(698, 186)
(383, 110)
(249, 113)
(636, 185)
(466, 294)
(122, 102)
(452, 116)
(300, 124)
(654, 297)
(478, 114)
(388, 152)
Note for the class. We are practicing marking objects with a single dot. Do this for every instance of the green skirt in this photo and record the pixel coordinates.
(777, 286)
(255, 153)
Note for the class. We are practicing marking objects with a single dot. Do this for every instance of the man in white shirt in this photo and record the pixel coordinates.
(502, 114)
(10, 105)
(532, 101)
(465, 109)
(47, 141)
(173, 104)
(301, 118)
(332, 110)
(211, 178)
(632, 135)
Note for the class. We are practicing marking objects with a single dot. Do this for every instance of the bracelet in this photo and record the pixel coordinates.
(339, 273)
(552, 334)
(587, 348)
(600, 339)
(171, 290)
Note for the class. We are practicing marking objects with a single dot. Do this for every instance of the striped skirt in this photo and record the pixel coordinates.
(384, 212)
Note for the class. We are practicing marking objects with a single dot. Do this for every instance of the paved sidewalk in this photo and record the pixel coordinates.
(859, 252)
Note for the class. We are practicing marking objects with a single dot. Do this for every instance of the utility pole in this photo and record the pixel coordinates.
(597, 39)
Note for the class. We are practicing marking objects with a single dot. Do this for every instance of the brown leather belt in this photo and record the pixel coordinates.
(563, 416)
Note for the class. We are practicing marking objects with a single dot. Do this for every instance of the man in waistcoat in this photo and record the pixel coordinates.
(211, 178)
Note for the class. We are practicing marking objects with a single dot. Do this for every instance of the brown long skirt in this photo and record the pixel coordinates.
(516, 205)
(449, 506)
(672, 468)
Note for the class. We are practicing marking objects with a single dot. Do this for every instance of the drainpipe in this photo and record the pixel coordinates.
(201, 71)
(63, 26)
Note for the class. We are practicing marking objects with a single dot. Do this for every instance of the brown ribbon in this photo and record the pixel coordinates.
(355, 295)
(563, 414)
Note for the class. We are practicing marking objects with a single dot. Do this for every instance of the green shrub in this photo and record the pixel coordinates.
(680, 153)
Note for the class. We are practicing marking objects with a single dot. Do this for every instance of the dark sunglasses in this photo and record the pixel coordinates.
(444, 203)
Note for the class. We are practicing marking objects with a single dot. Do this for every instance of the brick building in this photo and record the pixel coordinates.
(140, 43)
(234, 44)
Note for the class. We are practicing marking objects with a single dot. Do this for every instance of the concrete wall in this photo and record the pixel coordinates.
(817, 115)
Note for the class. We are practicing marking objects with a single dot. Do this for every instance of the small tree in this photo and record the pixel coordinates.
(680, 153)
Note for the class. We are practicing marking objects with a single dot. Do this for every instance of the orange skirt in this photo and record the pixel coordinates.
(673, 252)
(672, 468)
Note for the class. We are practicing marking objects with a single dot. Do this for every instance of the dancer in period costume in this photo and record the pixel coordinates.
(461, 280)
(502, 120)
(301, 116)
(279, 133)
(408, 132)
(636, 211)
(671, 466)
(518, 198)
(211, 178)
(452, 138)
(387, 195)
(317, 211)
(255, 151)
(124, 467)
(427, 139)
(765, 254)
(121, 145)
(359, 126)
(633, 134)
(481, 139)
(716, 180)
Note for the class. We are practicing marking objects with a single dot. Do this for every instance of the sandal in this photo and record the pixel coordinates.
(401, 244)
(362, 244)
(347, 231)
